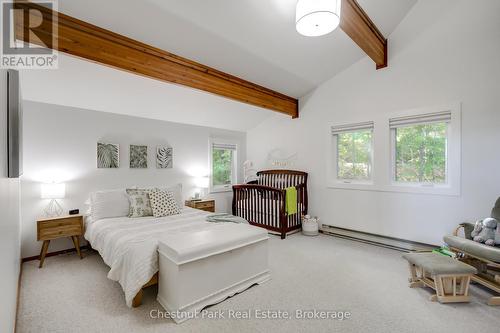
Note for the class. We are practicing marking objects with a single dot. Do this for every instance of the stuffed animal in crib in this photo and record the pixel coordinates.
(484, 231)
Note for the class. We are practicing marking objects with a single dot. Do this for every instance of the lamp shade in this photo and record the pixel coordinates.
(201, 182)
(317, 17)
(53, 191)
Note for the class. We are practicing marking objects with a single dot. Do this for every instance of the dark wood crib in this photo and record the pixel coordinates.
(262, 202)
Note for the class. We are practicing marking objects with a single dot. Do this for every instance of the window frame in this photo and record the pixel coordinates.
(383, 155)
(394, 181)
(452, 185)
(234, 172)
(333, 165)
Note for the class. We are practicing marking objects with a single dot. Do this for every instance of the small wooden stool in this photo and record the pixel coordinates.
(450, 278)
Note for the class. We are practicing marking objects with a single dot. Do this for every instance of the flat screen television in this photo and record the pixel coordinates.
(14, 125)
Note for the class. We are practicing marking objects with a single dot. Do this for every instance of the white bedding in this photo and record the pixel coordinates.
(129, 245)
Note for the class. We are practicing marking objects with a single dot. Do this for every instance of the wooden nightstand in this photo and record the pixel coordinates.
(59, 227)
(206, 205)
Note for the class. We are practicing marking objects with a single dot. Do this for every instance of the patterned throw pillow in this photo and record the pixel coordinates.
(140, 204)
(163, 203)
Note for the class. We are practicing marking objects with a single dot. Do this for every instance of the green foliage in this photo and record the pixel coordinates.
(354, 155)
(222, 166)
(421, 153)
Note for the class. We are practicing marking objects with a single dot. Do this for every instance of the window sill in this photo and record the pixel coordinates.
(363, 186)
(399, 188)
(424, 189)
(221, 189)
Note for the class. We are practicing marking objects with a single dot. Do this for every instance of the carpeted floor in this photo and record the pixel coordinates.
(322, 273)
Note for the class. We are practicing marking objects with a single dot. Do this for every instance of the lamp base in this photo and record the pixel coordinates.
(53, 209)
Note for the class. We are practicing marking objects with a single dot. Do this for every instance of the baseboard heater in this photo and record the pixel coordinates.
(378, 240)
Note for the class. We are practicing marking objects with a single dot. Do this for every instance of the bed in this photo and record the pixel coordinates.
(129, 245)
(262, 202)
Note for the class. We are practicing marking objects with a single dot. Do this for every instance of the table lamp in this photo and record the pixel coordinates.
(53, 191)
(201, 183)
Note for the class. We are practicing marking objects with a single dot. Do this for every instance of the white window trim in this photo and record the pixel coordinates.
(382, 156)
(234, 175)
(452, 185)
(332, 165)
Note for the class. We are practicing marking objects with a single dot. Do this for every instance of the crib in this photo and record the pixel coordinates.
(262, 202)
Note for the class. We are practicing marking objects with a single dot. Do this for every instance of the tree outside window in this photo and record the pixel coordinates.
(421, 153)
(222, 166)
(354, 155)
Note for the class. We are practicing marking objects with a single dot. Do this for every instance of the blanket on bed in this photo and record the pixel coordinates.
(129, 246)
(223, 217)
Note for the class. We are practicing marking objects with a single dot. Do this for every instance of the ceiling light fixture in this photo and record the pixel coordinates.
(317, 17)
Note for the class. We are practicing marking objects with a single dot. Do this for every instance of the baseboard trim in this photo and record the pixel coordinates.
(18, 293)
(393, 243)
(55, 253)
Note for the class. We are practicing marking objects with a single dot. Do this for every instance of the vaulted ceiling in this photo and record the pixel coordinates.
(82, 84)
(254, 40)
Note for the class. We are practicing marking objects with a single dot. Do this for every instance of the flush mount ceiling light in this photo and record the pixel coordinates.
(317, 17)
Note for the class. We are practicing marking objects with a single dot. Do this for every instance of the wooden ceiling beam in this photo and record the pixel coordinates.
(360, 28)
(87, 41)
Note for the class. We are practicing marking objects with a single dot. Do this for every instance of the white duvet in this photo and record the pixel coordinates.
(129, 245)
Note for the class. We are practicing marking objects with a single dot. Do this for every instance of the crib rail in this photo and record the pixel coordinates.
(264, 206)
(260, 205)
(281, 178)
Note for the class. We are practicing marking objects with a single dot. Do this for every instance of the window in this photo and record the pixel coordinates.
(353, 145)
(410, 151)
(420, 148)
(223, 166)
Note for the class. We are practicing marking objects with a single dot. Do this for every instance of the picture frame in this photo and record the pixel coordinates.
(108, 155)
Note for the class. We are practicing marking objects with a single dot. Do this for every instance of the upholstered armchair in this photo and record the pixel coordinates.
(485, 258)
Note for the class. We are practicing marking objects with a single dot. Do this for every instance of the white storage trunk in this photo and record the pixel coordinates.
(204, 267)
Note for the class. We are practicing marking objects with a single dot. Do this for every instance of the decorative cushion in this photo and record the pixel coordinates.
(176, 190)
(111, 203)
(140, 204)
(163, 203)
(491, 253)
(437, 264)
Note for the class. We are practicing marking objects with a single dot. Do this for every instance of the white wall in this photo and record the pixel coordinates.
(60, 144)
(120, 92)
(3, 122)
(442, 52)
(9, 224)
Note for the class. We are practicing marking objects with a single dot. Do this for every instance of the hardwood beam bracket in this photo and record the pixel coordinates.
(89, 42)
(360, 28)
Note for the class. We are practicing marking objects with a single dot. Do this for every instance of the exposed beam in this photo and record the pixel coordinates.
(87, 41)
(358, 25)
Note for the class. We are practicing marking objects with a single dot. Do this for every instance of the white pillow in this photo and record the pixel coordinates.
(111, 203)
(177, 192)
(88, 208)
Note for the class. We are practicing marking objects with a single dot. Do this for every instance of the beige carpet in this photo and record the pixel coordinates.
(323, 273)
